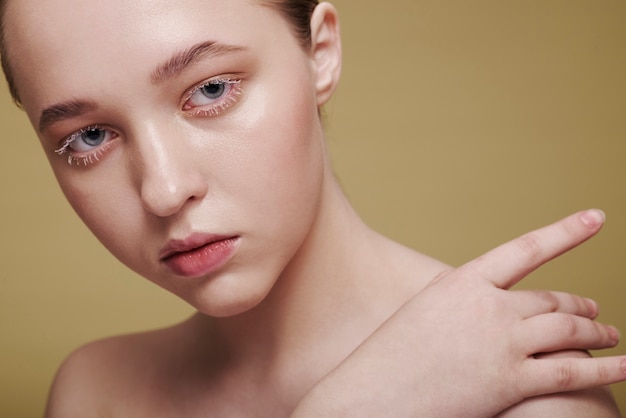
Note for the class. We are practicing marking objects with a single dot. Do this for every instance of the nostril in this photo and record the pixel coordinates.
(163, 198)
(165, 195)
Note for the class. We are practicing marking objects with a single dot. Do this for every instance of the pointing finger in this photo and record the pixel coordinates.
(507, 264)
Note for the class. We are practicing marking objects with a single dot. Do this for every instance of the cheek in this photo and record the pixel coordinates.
(108, 208)
(289, 166)
(291, 153)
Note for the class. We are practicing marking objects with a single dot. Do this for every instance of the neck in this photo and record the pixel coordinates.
(344, 281)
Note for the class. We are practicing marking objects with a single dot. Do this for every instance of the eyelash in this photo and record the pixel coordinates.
(85, 158)
(224, 102)
(227, 98)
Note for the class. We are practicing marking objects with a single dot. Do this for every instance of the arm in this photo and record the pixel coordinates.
(465, 345)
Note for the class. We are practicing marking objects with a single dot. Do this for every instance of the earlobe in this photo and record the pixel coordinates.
(326, 50)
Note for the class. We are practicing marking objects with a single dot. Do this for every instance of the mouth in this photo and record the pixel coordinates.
(198, 255)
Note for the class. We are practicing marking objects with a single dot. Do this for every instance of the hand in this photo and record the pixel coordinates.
(464, 346)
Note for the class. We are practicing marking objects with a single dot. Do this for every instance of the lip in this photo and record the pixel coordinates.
(198, 255)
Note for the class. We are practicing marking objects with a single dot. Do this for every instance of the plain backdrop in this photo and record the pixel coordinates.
(459, 124)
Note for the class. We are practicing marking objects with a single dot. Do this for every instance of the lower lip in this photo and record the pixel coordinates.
(203, 260)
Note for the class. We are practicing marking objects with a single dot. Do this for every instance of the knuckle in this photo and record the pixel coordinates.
(567, 326)
(565, 376)
(550, 299)
(604, 374)
(530, 247)
(571, 229)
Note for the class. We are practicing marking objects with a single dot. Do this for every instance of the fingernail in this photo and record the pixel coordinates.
(624, 366)
(615, 334)
(593, 218)
(593, 307)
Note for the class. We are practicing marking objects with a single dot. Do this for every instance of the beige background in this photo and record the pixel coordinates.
(458, 125)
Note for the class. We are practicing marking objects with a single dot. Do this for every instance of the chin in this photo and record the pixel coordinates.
(225, 310)
(227, 303)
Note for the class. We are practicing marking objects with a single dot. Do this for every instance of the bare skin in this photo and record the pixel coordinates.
(311, 313)
(265, 366)
(196, 369)
(473, 299)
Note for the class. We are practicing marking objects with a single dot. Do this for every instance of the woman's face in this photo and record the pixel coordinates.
(183, 132)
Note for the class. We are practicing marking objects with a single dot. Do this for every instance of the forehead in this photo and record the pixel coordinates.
(76, 18)
(67, 42)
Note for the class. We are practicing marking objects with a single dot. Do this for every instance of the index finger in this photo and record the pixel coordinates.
(507, 264)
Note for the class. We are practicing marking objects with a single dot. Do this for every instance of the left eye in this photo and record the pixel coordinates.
(213, 90)
(209, 93)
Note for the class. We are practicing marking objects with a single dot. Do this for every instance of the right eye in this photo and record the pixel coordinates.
(86, 145)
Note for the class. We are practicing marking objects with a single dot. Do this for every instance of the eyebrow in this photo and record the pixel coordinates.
(182, 60)
(171, 68)
(65, 110)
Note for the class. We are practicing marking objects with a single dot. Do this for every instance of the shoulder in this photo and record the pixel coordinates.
(85, 381)
(101, 377)
(412, 268)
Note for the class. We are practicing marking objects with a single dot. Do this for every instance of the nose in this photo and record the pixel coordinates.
(168, 179)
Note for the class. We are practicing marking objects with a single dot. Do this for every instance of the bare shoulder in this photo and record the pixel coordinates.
(411, 267)
(597, 402)
(107, 376)
(74, 386)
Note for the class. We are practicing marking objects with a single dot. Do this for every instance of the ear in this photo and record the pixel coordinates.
(325, 50)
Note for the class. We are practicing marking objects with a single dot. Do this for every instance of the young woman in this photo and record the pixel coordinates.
(186, 135)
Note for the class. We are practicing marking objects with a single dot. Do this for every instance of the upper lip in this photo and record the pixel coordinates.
(190, 243)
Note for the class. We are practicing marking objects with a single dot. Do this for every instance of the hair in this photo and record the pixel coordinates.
(296, 12)
(4, 60)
